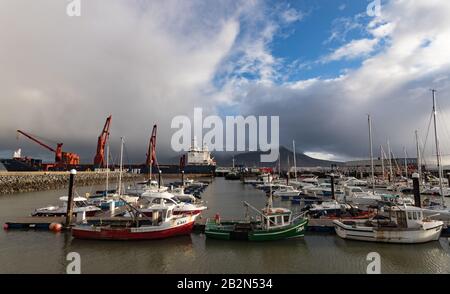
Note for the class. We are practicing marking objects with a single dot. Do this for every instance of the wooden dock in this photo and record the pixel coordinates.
(33, 222)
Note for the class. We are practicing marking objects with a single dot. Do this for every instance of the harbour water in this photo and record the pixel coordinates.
(45, 252)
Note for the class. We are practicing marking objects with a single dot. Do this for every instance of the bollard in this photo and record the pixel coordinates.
(159, 179)
(182, 178)
(69, 212)
(416, 189)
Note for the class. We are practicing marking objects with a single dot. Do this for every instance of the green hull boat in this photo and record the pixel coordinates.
(254, 231)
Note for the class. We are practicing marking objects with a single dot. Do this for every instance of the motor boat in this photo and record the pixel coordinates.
(80, 204)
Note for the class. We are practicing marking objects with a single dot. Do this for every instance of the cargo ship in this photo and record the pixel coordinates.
(199, 161)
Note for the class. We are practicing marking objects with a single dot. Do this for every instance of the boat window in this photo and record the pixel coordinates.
(286, 219)
(169, 213)
(279, 220)
(409, 215)
(272, 221)
(415, 215)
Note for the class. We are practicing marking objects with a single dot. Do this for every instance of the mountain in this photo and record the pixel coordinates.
(252, 159)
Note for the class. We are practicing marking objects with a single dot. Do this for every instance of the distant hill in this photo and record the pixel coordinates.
(253, 159)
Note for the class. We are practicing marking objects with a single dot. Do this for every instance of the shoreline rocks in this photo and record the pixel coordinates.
(11, 183)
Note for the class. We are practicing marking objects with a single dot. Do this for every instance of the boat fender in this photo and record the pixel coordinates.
(55, 227)
(5, 227)
(217, 218)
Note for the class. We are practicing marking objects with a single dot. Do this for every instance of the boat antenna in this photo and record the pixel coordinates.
(438, 156)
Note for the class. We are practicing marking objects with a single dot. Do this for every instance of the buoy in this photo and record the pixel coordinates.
(5, 227)
(55, 227)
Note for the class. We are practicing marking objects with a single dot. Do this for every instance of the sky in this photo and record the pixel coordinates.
(321, 66)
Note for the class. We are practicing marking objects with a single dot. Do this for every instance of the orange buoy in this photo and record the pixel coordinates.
(55, 227)
(5, 227)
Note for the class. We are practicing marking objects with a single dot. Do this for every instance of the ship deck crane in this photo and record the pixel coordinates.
(61, 158)
(99, 159)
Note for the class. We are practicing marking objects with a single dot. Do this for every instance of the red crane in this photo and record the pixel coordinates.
(61, 158)
(99, 159)
(151, 153)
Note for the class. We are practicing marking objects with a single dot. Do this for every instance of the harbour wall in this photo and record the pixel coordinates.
(19, 182)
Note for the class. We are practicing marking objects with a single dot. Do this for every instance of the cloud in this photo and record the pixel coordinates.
(392, 83)
(354, 49)
(141, 61)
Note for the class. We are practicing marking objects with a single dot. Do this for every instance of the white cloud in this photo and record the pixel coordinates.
(292, 15)
(354, 49)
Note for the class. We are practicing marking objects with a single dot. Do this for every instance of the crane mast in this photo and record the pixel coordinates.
(99, 159)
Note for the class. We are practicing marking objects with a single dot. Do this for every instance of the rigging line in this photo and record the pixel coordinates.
(426, 137)
(442, 119)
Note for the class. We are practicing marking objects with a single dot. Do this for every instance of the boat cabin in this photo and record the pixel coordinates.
(277, 218)
(410, 217)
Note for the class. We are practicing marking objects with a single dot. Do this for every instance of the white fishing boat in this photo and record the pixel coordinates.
(405, 225)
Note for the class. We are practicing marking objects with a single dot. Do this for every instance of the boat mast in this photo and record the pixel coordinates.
(406, 163)
(151, 165)
(371, 152)
(120, 166)
(382, 162)
(419, 163)
(270, 201)
(295, 160)
(438, 156)
(107, 165)
(391, 176)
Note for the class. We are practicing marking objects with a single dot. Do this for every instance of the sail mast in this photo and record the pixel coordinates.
(295, 160)
(382, 161)
(120, 167)
(438, 156)
(371, 152)
(419, 163)
(391, 176)
(406, 163)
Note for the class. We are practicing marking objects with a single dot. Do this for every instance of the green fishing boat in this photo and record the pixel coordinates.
(273, 224)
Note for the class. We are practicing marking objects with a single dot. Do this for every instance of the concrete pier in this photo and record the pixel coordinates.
(17, 182)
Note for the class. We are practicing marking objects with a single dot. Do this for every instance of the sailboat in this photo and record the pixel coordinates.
(431, 208)
(271, 224)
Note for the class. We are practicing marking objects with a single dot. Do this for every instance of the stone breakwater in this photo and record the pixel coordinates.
(41, 181)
